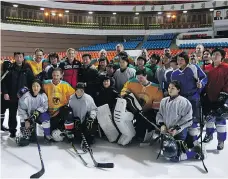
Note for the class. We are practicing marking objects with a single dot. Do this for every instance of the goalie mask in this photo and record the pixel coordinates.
(169, 147)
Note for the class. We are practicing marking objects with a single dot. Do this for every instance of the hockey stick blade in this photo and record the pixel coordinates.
(38, 174)
(105, 165)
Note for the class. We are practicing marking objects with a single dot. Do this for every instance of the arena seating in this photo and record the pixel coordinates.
(161, 37)
(207, 45)
(111, 54)
(136, 39)
(158, 44)
(111, 46)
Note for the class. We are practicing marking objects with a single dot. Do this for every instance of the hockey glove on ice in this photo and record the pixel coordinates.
(89, 123)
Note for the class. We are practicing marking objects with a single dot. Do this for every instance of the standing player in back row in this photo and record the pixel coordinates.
(70, 68)
(192, 80)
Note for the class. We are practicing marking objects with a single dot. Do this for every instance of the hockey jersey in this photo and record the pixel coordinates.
(28, 104)
(148, 96)
(174, 112)
(217, 81)
(82, 106)
(58, 95)
(188, 79)
(37, 68)
(71, 71)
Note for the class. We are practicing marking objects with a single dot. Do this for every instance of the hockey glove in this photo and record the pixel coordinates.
(78, 124)
(89, 123)
(35, 117)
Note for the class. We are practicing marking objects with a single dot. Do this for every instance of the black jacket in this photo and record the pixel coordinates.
(17, 78)
(107, 96)
(89, 76)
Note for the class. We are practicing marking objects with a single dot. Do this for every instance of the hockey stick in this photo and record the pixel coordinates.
(98, 165)
(201, 137)
(84, 162)
(41, 172)
(4, 75)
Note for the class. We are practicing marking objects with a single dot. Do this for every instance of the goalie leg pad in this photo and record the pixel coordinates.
(133, 104)
(104, 118)
(123, 120)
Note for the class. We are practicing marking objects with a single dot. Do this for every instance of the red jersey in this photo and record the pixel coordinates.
(217, 81)
(207, 68)
(71, 71)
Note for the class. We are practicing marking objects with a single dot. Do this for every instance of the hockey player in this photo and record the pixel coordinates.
(71, 68)
(36, 64)
(123, 74)
(162, 70)
(32, 108)
(58, 93)
(153, 64)
(174, 118)
(207, 62)
(107, 94)
(53, 59)
(148, 95)
(140, 65)
(18, 77)
(84, 114)
(192, 80)
(101, 54)
(217, 82)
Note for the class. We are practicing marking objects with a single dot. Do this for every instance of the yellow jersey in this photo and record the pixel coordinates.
(149, 96)
(58, 95)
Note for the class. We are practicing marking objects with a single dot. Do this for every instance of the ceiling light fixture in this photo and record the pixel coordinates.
(114, 13)
(90, 12)
(136, 13)
(42, 9)
(67, 11)
(185, 12)
(15, 5)
(211, 9)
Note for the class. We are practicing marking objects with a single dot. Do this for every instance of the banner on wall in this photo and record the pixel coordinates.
(221, 14)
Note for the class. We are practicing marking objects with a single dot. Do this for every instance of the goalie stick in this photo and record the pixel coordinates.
(98, 165)
(41, 172)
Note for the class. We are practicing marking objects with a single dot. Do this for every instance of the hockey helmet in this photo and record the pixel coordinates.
(22, 91)
(57, 135)
(170, 147)
(6, 65)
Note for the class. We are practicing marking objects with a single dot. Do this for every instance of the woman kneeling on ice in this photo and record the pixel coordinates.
(32, 108)
(174, 118)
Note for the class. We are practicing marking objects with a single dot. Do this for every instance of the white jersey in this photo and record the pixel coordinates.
(82, 105)
(28, 104)
(175, 112)
(122, 77)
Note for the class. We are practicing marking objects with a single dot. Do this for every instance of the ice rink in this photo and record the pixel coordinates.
(130, 162)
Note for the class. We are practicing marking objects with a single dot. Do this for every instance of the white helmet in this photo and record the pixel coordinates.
(56, 135)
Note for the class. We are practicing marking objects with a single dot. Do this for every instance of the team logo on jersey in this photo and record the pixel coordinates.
(56, 100)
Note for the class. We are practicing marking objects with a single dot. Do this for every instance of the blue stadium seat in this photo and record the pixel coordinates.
(158, 44)
(168, 36)
(206, 45)
(130, 45)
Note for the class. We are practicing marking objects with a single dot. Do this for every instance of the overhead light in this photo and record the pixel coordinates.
(159, 13)
(15, 5)
(46, 14)
(53, 13)
(185, 12)
(42, 9)
(67, 11)
(114, 13)
(168, 16)
(60, 15)
(211, 9)
(136, 13)
(90, 12)
(173, 16)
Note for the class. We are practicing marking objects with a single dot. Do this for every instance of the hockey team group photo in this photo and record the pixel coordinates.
(158, 107)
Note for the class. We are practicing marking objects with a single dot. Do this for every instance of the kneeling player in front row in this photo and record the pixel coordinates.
(32, 108)
(174, 118)
(84, 112)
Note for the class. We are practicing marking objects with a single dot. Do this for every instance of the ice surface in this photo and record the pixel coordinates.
(130, 162)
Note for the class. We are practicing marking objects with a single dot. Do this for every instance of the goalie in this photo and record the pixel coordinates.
(145, 97)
